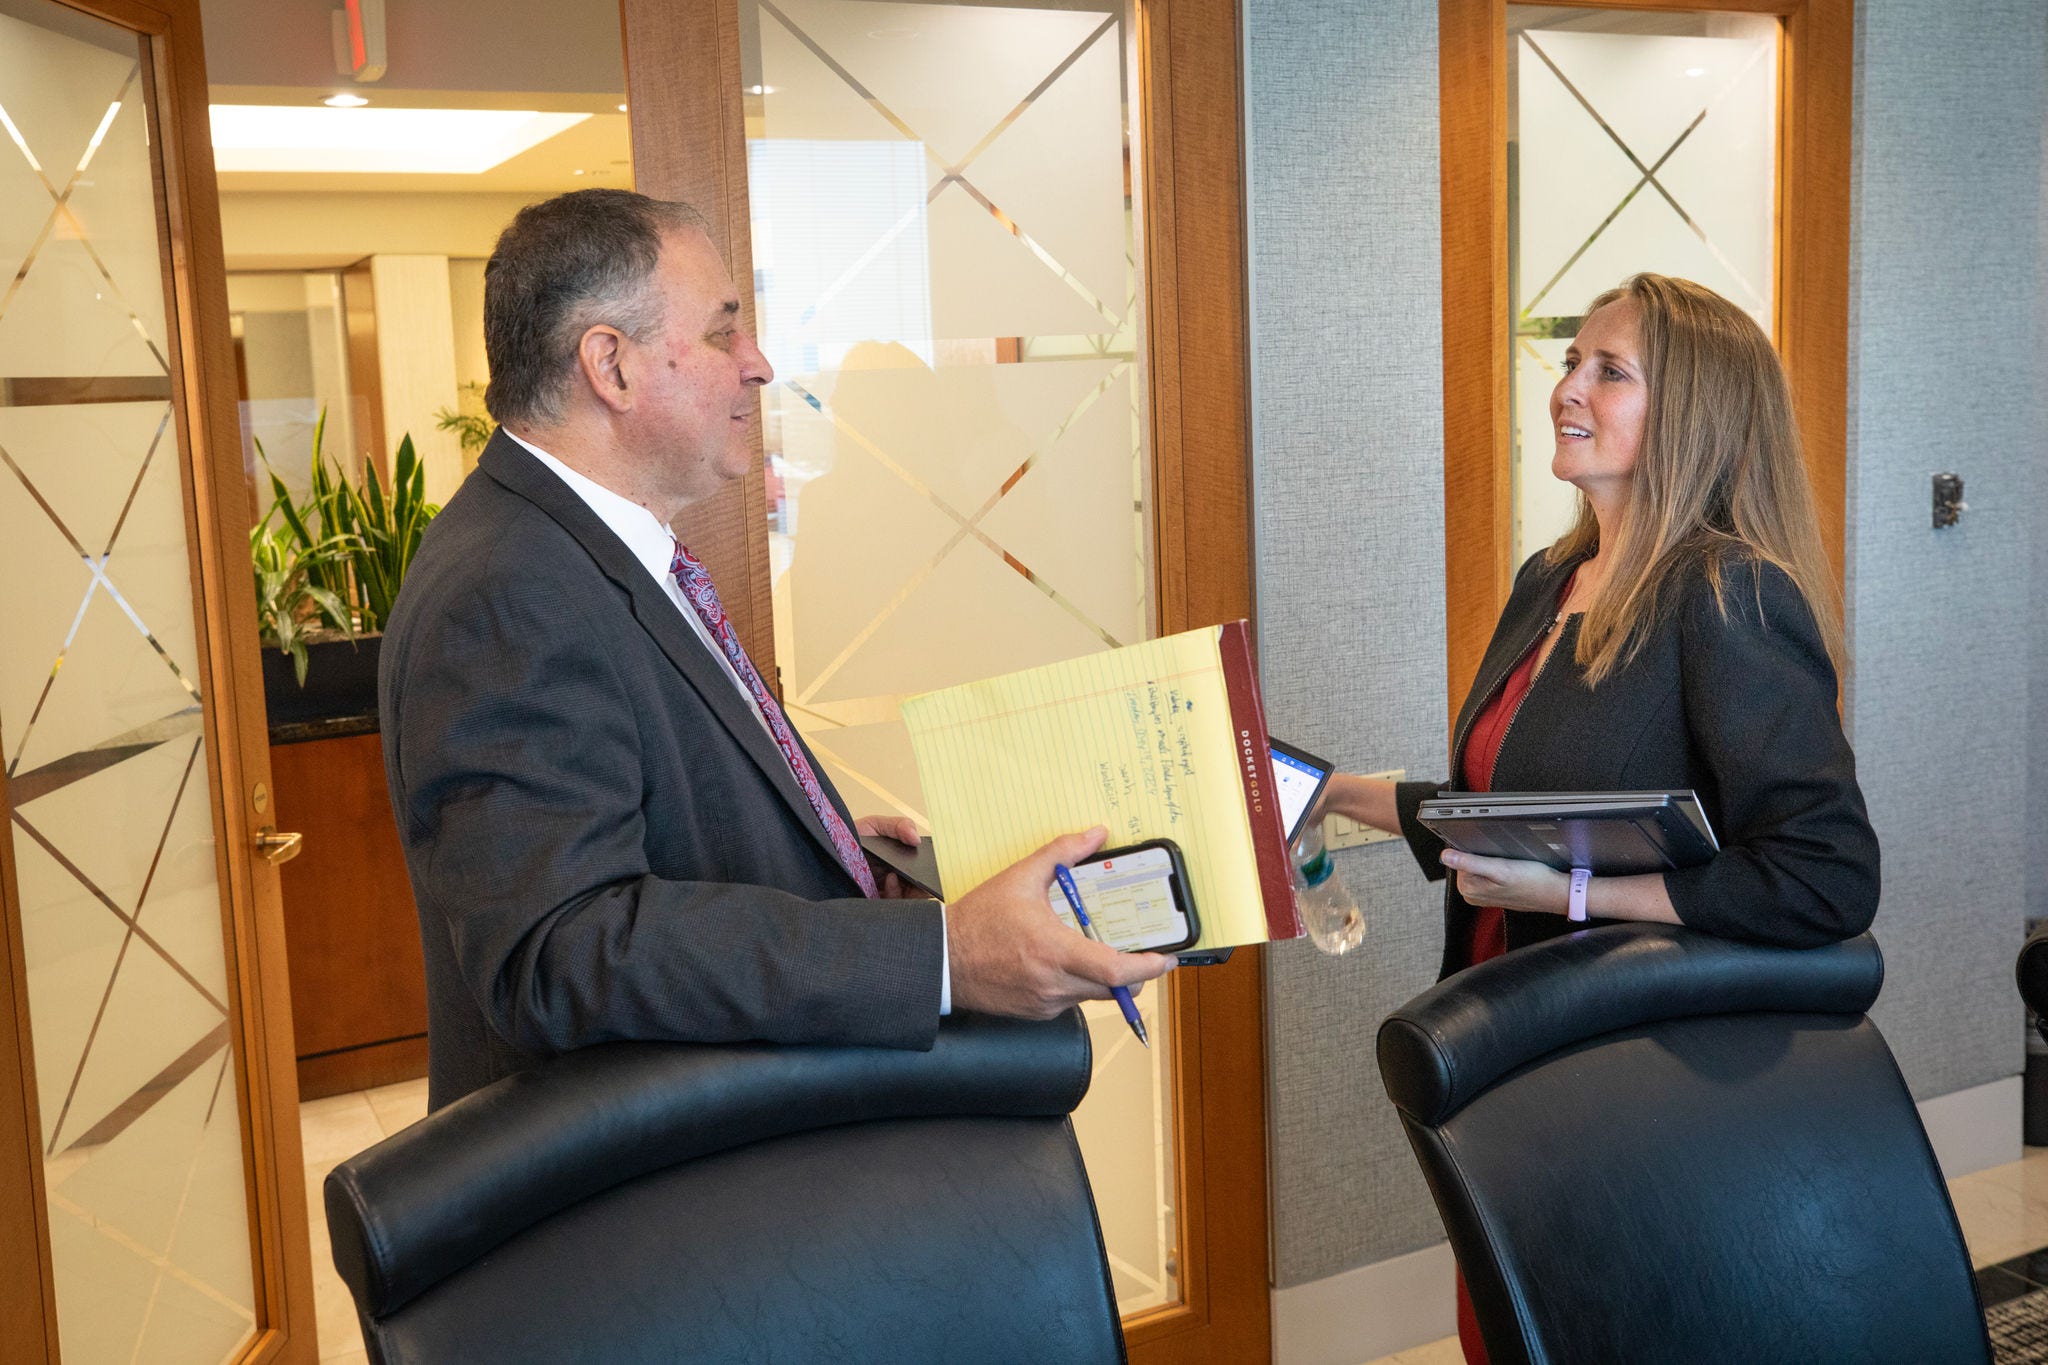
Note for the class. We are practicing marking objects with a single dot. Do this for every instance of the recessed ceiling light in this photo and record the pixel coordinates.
(579, 171)
(760, 90)
(622, 108)
(1695, 71)
(269, 137)
(344, 101)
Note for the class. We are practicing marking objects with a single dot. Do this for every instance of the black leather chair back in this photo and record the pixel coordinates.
(642, 1202)
(2032, 971)
(1651, 1145)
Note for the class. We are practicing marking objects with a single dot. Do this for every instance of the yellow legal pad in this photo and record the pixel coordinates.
(1163, 739)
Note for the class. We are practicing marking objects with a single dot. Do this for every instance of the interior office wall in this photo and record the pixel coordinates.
(315, 230)
(1946, 372)
(1947, 366)
(2037, 698)
(1348, 491)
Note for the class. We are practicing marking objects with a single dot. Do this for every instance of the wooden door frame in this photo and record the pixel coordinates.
(28, 1302)
(1816, 77)
(688, 122)
(217, 515)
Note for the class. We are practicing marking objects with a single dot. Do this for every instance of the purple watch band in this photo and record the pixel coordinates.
(1577, 909)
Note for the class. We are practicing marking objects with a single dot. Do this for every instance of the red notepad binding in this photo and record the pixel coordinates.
(1255, 768)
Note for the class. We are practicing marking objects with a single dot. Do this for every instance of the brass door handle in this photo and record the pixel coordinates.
(278, 848)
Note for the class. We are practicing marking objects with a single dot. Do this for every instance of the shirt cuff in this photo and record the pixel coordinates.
(945, 968)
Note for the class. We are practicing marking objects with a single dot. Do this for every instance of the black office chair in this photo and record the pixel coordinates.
(1651, 1145)
(642, 1202)
(2032, 971)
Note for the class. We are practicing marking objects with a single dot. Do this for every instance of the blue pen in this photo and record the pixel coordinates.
(1120, 994)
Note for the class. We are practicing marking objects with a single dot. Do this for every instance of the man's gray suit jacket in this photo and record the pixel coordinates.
(603, 841)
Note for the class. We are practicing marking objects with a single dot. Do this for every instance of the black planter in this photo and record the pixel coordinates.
(340, 695)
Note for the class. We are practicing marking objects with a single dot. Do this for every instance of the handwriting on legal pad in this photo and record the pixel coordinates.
(1138, 739)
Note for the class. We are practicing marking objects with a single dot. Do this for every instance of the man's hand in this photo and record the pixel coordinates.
(1010, 954)
(903, 830)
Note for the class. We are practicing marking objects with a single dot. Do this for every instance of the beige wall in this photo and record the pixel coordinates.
(287, 231)
(416, 361)
(466, 294)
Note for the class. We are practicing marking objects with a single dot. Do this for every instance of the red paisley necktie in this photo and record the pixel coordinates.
(696, 586)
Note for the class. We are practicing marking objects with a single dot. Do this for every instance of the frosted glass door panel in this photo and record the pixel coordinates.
(1637, 141)
(947, 282)
(101, 726)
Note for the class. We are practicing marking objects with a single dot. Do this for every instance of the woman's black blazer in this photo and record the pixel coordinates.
(1739, 706)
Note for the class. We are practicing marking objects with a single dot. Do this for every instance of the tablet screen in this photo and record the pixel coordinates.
(1298, 778)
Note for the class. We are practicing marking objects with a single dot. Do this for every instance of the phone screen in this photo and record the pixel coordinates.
(1131, 899)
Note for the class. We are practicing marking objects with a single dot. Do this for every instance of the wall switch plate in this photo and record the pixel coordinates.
(1948, 500)
(1338, 832)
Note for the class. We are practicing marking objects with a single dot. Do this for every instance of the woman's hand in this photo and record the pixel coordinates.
(1510, 883)
(1516, 884)
(1365, 800)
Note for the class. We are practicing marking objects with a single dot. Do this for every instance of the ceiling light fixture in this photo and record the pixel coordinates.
(760, 90)
(270, 137)
(622, 108)
(1695, 71)
(344, 101)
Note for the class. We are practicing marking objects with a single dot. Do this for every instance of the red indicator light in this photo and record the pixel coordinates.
(357, 49)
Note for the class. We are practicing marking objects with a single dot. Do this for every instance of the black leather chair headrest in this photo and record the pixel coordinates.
(1457, 1038)
(453, 1187)
(2032, 970)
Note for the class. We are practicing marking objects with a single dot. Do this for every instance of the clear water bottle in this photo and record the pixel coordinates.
(1328, 912)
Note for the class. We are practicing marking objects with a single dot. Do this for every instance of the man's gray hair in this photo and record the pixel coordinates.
(562, 267)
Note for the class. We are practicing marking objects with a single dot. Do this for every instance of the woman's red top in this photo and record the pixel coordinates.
(1482, 749)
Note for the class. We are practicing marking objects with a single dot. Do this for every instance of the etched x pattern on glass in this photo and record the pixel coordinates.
(947, 282)
(101, 729)
(950, 368)
(1633, 151)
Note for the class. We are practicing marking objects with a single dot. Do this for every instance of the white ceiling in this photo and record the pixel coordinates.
(458, 54)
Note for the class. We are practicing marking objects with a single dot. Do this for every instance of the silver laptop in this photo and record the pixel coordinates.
(1611, 833)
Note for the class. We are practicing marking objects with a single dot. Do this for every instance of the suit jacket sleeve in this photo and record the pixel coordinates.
(1799, 862)
(520, 794)
(1423, 843)
(1422, 840)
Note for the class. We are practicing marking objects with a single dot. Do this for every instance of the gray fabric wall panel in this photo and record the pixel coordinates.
(1948, 369)
(2037, 671)
(1348, 487)
(1947, 372)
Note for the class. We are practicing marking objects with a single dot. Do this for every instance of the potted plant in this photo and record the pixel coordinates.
(327, 574)
(467, 419)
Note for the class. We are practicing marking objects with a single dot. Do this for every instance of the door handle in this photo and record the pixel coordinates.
(278, 848)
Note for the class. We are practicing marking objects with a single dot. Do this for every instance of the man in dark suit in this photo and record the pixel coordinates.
(612, 831)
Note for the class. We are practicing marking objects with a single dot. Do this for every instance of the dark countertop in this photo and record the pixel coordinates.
(330, 727)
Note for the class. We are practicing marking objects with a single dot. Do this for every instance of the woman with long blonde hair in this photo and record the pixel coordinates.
(1685, 633)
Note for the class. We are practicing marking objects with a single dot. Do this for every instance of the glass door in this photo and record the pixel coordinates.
(1635, 142)
(948, 280)
(155, 1155)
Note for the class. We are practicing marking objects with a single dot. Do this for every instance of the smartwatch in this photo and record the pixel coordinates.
(1577, 909)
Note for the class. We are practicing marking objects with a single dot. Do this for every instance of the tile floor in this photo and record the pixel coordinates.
(331, 1130)
(2004, 1211)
